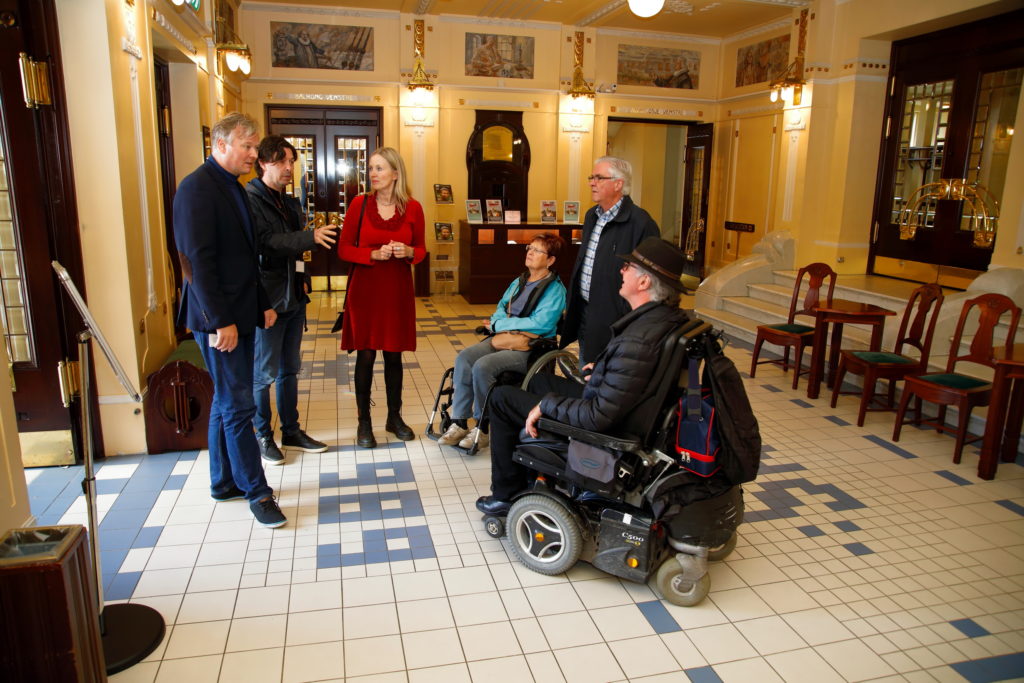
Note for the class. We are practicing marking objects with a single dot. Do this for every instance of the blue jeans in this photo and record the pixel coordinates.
(278, 360)
(234, 453)
(476, 368)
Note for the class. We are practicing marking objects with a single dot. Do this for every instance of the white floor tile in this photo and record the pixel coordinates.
(314, 662)
(432, 648)
(253, 666)
(374, 655)
(588, 663)
(643, 656)
(192, 669)
(195, 640)
(305, 628)
(370, 620)
(257, 633)
(488, 641)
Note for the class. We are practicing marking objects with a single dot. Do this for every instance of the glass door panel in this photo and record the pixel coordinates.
(922, 142)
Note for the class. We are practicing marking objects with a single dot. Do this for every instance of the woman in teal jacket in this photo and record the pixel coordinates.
(532, 303)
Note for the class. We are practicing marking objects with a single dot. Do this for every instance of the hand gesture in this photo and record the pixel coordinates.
(325, 235)
(226, 339)
(531, 421)
(399, 250)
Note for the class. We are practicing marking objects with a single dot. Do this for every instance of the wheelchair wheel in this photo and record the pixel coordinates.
(494, 526)
(677, 590)
(565, 364)
(723, 551)
(544, 534)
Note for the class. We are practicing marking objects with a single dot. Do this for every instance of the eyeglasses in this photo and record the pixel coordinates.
(592, 178)
(535, 250)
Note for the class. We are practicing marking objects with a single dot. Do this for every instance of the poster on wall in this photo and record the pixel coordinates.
(761, 62)
(490, 54)
(321, 46)
(661, 67)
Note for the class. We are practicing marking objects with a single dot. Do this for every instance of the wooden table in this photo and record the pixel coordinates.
(1005, 410)
(841, 311)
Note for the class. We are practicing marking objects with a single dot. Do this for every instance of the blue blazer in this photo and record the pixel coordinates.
(220, 273)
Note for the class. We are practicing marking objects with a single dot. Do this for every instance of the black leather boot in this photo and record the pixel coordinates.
(395, 424)
(364, 429)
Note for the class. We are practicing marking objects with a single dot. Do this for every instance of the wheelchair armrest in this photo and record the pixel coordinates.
(619, 443)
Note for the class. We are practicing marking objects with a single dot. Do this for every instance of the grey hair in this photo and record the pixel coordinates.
(659, 290)
(223, 129)
(621, 169)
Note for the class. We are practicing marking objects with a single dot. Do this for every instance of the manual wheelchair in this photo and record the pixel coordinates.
(650, 517)
(544, 356)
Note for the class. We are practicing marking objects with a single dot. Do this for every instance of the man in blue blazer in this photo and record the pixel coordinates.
(223, 302)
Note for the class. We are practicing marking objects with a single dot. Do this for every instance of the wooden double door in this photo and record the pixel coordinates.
(333, 146)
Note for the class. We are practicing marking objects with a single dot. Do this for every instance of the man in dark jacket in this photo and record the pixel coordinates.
(223, 302)
(614, 226)
(280, 241)
(650, 285)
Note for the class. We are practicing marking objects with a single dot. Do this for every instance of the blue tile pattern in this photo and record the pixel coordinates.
(990, 669)
(970, 628)
(955, 478)
(658, 617)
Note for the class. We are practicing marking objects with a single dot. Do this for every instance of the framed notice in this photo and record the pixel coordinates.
(494, 212)
(570, 212)
(474, 211)
(548, 212)
(512, 217)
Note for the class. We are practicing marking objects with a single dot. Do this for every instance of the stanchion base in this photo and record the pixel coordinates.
(130, 633)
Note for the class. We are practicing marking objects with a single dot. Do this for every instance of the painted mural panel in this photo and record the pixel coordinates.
(321, 46)
(490, 54)
(761, 62)
(661, 67)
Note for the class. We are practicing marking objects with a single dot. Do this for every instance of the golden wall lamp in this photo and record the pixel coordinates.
(419, 79)
(237, 55)
(579, 86)
(788, 86)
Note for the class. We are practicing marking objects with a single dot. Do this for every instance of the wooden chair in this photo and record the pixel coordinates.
(916, 329)
(956, 389)
(792, 333)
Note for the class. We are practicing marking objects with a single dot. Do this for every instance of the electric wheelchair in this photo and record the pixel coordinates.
(648, 515)
(544, 356)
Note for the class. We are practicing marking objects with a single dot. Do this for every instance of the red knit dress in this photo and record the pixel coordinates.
(380, 312)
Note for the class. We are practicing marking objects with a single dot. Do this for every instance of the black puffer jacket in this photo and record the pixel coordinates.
(280, 241)
(621, 373)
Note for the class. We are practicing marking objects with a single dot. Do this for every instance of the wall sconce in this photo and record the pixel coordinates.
(419, 79)
(194, 4)
(789, 85)
(645, 8)
(579, 87)
(237, 55)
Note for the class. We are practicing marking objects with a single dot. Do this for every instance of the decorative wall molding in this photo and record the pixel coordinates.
(498, 103)
(762, 109)
(319, 97)
(658, 111)
(163, 22)
(323, 11)
(757, 31)
(783, 3)
(140, 170)
(131, 48)
(507, 23)
(664, 37)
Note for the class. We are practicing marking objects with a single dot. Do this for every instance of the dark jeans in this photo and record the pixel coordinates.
(278, 361)
(234, 453)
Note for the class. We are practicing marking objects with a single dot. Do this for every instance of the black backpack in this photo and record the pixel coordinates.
(740, 454)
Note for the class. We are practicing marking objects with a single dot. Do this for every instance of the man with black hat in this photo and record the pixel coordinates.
(651, 285)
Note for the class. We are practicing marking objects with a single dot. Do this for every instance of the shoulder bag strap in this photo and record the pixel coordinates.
(351, 266)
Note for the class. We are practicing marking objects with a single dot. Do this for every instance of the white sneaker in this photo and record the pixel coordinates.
(453, 436)
(467, 442)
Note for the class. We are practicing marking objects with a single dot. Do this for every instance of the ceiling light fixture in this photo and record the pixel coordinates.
(646, 8)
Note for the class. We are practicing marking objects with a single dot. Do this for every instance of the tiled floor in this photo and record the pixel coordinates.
(859, 559)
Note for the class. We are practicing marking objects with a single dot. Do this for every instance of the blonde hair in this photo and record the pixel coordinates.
(401, 192)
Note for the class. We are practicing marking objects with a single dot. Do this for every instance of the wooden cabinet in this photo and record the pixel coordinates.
(491, 255)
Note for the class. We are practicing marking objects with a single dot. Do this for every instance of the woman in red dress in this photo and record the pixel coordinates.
(380, 313)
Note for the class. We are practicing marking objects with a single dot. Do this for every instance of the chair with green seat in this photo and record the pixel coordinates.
(792, 333)
(957, 389)
(916, 330)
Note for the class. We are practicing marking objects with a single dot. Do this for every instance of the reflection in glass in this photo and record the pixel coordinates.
(13, 315)
(922, 137)
(992, 134)
(497, 143)
(350, 158)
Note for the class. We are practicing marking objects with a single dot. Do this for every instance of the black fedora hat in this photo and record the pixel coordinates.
(662, 259)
